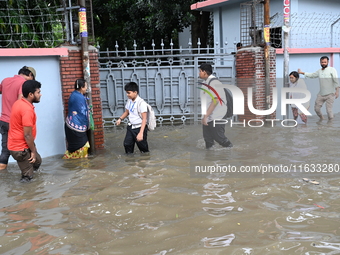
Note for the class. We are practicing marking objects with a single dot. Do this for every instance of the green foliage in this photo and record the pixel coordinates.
(142, 20)
(27, 24)
(36, 23)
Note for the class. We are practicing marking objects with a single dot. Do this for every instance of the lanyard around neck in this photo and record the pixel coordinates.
(131, 108)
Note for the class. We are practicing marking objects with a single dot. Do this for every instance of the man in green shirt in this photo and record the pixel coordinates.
(329, 87)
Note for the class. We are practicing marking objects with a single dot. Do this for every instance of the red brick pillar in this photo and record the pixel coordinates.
(250, 72)
(71, 68)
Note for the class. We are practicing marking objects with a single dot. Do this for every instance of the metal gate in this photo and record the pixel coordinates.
(167, 79)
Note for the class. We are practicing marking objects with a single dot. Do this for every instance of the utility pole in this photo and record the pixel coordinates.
(86, 63)
(267, 52)
(286, 30)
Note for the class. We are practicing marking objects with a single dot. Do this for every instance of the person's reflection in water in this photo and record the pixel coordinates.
(140, 161)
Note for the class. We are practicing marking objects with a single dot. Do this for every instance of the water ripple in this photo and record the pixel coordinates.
(222, 199)
(302, 217)
(143, 193)
(219, 212)
(215, 242)
(151, 225)
(333, 246)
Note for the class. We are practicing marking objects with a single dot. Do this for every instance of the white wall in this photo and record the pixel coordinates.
(318, 6)
(227, 22)
(50, 139)
(311, 28)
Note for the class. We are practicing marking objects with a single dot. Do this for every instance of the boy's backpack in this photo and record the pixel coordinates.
(229, 103)
(151, 117)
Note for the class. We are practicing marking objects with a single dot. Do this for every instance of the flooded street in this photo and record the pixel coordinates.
(158, 204)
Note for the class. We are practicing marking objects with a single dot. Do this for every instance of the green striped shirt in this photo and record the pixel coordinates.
(328, 80)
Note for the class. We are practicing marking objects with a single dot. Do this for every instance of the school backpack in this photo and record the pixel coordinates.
(150, 118)
(229, 103)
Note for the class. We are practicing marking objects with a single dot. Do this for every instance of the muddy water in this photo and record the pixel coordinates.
(157, 204)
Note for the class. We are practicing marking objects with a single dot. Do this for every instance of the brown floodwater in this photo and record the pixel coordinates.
(166, 202)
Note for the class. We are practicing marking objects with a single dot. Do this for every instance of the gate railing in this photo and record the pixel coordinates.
(167, 79)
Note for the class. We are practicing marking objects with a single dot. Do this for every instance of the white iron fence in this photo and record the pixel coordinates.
(167, 79)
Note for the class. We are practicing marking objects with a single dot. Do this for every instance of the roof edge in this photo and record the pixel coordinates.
(15, 52)
(208, 3)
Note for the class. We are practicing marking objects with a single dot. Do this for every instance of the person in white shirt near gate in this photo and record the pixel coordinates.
(137, 130)
(215, 110)
(329, 87)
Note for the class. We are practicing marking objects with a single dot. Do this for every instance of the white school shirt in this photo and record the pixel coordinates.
(131, 106)
(220, 109)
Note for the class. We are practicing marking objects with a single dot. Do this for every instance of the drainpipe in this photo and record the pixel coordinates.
(267, 53)
(86, 63)
(286, 30)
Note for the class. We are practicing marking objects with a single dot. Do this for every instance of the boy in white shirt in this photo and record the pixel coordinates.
(215, 110)
(136, 132)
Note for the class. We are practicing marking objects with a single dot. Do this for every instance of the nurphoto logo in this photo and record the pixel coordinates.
(238, 105)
